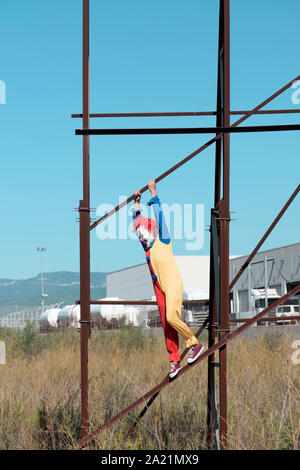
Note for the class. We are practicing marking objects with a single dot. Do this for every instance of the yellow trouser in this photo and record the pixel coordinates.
(170, 281)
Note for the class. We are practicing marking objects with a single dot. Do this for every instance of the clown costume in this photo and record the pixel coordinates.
(167, 282)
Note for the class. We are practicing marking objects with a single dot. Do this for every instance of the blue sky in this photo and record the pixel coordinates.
(145, 56)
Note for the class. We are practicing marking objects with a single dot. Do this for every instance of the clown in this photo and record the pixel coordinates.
(166, 278)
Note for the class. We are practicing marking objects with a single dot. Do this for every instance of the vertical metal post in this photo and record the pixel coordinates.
(215, 290)
(214, 308)
(235, 300)
(41, 251)
(224, 230)
(84, 212)
(249, 289)
(266, 282)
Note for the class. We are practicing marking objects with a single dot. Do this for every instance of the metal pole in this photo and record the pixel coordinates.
(224, 232)
(249, 287)
(181, 114)
(84, 212)
(214, 263)
(266, 282)
(41, 251)
(234, 309)
(141, 302)
(190, 130)
(212, 431)
(42, 279)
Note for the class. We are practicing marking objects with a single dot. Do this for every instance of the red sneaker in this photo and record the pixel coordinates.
(194, 353)
(174, 369)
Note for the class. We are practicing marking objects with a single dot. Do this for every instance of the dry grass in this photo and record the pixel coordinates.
(40, 395)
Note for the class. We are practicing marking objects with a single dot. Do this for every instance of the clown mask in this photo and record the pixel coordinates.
(145, 236)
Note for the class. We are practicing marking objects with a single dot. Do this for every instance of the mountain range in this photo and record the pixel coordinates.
(61, 286)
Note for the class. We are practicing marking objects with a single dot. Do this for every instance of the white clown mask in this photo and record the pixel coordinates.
(145, 237)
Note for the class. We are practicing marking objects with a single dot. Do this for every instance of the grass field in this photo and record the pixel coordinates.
(40, 392)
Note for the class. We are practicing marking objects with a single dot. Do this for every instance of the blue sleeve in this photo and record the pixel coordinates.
(163, 231)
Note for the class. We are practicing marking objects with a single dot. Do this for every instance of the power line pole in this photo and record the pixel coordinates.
(41, 251)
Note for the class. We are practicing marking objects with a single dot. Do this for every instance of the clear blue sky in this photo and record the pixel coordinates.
(145, 56)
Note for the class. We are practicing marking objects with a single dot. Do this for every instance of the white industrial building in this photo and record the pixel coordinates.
(270, 275)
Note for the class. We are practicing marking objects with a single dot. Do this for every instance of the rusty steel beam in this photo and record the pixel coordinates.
(224, 221)
(213, 438)
(243, 320)
(84, 211)
(187, 368)
(141, 302)
(265, 236)
(196, 152)
(189, 130)
(182, 114)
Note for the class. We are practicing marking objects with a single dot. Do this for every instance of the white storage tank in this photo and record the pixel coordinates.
(52, 317)
(76, 316)
(48, 319)
(101, 314)
(65, 318)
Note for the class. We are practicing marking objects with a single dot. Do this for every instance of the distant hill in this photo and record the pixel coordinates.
(61, 286)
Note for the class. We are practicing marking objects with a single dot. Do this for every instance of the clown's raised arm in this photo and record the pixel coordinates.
(163, 231)
(147, 229)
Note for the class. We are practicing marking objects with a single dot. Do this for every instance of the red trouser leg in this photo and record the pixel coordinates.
(171, 335)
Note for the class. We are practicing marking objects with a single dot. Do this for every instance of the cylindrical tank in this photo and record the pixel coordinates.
(48, 319)
(112, 311)
(52, 317)
(76, 316)
(43, 321)
(101, 315)
(95, 315)
(132, 315)
(64, 317)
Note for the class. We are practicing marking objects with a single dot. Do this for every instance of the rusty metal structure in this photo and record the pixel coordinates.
(218, 323)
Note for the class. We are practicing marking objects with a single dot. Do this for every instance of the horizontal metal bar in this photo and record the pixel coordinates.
(141, 302)
(243, 320)
(189, 130)
(187, 113)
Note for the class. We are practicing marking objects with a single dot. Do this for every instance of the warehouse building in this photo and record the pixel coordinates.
(270, 275)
